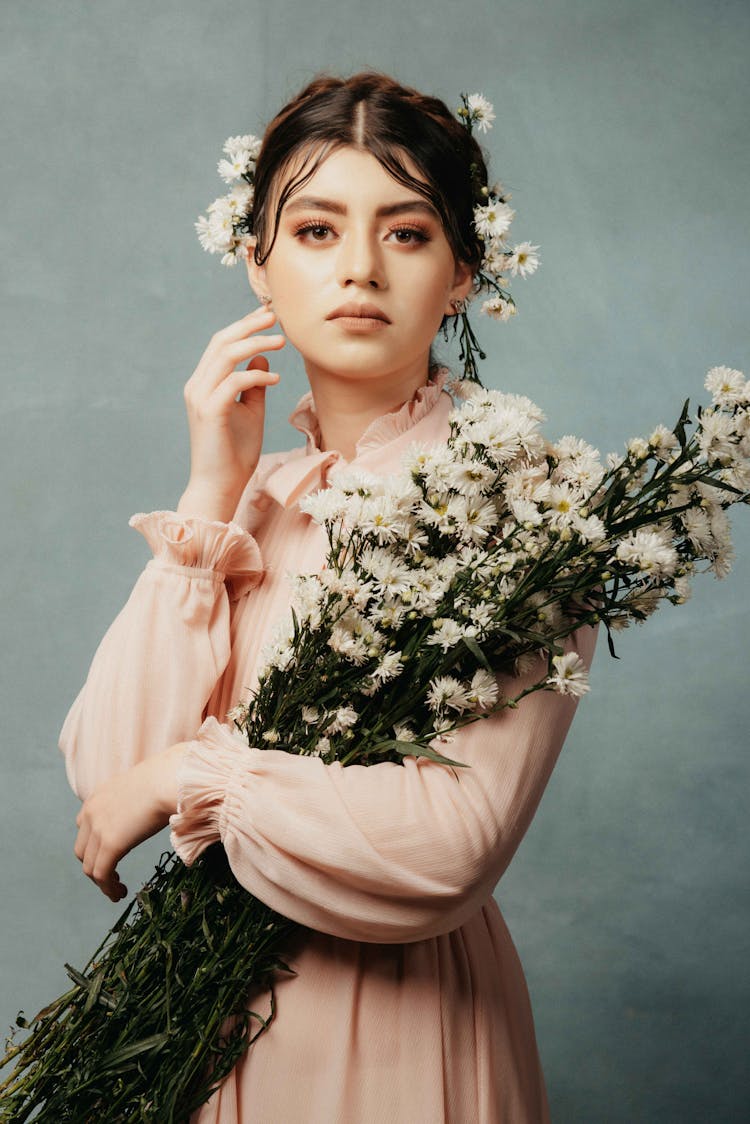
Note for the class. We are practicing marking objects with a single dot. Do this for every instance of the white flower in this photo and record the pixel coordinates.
(245, 143)
(561, 504)
(324, 504)
(344, 717)
(714, 433)
(721, 563)
(590, 529)
(323, 745)
(446, 690)
(698, 529)
(492, 220)
(447, 633)
(570, 676)
(271, 736)
(650, 551)
(727, 386)
(310, 714)
(662, 441)
(682, 589)
(238, 714)
(481, 111)
(523, 259)
(498, 308)
(637, 448)
(483, 690)
(403, 732)
(389, 667)
(474, 517)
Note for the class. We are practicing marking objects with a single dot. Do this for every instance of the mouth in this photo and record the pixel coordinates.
(354, 311)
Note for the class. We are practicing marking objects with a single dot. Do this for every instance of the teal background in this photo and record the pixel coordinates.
(622, 131)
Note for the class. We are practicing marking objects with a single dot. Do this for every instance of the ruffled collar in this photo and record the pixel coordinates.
(306, 469)
(304, 416)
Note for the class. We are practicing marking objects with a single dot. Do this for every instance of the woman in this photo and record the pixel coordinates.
(409, 1002)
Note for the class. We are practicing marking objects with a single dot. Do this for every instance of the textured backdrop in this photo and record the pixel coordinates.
(622, 131)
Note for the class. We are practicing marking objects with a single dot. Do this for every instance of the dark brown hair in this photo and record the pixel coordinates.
(372, 111)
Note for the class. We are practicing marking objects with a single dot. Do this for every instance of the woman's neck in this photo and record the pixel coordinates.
(345, 405)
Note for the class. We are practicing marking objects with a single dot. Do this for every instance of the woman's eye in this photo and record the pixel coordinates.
(413, 233)
(405, 235)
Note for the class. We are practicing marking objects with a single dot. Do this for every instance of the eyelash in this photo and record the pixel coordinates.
(421, 234)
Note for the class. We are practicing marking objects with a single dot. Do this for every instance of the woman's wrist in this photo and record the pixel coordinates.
(207, 504)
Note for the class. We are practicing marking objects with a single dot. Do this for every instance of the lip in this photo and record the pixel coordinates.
(355, 309)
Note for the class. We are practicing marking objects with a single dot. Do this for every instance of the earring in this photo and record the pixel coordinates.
(265, 299)
(458, 305)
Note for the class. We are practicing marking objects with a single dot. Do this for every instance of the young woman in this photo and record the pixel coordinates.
(409, 1003)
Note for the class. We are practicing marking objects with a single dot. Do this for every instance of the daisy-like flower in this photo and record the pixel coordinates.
(498, 308)
(447, 633)
(237, 714)
(727, 386)
(637, 448)
(389, 667)
(403, 732)
(492, 220)
(271, 736)
(310, 714)
(715, 435)
(322, 746)
(662, 441)
(481, 111)
(651, 551)
(483, 690)
(344, 717)
(523, 259)
(570, 676)
(447, 691)
(474, 517)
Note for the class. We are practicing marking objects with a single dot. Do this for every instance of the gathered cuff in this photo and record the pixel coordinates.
(227, 550)
(213, 765)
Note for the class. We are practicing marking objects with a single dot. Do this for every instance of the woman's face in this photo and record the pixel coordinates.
(353, 233)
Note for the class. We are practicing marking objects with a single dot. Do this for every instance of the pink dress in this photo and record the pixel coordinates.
(410, 1004)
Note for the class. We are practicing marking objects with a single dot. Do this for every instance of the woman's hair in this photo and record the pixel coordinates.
(374, 112)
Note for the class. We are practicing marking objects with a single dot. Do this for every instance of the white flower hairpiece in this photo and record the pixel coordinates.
(227, 226)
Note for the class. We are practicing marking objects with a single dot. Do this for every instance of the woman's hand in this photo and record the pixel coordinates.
(226, 435)
(123, 812)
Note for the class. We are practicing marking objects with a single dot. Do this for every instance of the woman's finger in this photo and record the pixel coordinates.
(262, 316)
(79, 848)
(216, 366)
(242, 382)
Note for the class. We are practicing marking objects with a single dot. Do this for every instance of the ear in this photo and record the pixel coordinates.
(463, 277)
(256, 274)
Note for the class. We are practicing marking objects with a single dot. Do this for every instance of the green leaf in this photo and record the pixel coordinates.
(679, 429)
(125, 1053)
(476, 651)
(411, 749)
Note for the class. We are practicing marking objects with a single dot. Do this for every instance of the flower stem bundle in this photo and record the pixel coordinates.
(478, 558)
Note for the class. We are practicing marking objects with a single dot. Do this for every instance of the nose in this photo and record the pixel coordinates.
(359, 259)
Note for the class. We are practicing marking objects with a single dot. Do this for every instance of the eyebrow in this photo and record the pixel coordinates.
(302, 202)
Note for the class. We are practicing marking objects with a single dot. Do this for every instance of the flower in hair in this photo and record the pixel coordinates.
(224, 228)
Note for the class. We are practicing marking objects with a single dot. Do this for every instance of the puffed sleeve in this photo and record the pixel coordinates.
(388, 852)
(157, 664)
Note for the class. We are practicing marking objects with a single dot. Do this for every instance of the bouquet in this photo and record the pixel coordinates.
(479, 556)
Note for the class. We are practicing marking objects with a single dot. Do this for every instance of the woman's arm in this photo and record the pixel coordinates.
(158, 662)
(383, 853)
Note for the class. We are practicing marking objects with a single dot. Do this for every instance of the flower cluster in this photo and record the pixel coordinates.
(491, 548)
(492, 219)
(224, 229)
